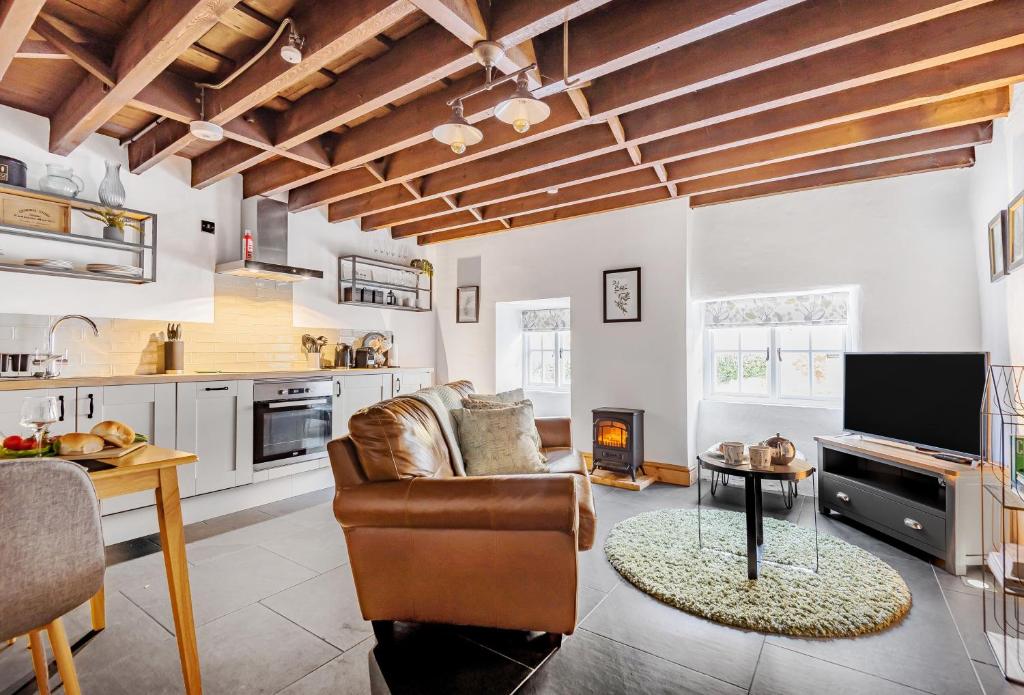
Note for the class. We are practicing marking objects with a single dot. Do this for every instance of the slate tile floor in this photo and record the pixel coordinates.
(276, 613)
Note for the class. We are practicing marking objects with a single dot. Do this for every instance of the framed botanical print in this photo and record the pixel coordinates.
(622, 295)
(467, 304)
(1015, 233)
(997, 246)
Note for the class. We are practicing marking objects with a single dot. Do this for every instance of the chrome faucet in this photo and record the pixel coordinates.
(52, 361)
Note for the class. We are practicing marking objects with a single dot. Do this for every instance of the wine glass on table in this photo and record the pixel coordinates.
(38, 413)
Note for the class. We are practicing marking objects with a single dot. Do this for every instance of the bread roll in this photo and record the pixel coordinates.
(80, 443)
(114, 432)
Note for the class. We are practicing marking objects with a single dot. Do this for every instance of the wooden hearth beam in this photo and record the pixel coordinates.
(163, 30)
(826, 26)
(16, 18)
(330, 30)
(834, 147)
(956, 159)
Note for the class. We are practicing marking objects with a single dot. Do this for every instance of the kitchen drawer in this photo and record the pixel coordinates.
(357, 381)
(216, 389)
(910, 523)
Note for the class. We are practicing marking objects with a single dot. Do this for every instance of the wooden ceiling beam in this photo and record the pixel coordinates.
(81, 55)
(618, 202)
(956, 159)
(770, 40)
(162, 31)
(464, 19)
(16, 18)
(330, 31)
(785, 157)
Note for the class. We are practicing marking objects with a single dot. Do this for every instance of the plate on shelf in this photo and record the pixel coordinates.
(113, 269)
(49, 263)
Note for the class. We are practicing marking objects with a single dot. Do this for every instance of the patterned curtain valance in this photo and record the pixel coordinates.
(829, 308)
(546, 320)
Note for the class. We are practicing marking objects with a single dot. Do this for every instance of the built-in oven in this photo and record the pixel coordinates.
(292, 421)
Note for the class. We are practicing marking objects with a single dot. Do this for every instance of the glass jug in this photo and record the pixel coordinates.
(61, 180)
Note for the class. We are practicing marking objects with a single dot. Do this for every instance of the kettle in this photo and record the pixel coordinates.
(343, 356)
(783, 450)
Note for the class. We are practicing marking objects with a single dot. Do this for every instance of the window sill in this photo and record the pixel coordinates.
(816, 405)
(553, 392)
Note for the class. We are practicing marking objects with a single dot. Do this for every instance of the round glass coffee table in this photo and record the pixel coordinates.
(794, 471)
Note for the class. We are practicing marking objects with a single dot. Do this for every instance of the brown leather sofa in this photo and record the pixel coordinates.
(428, 545)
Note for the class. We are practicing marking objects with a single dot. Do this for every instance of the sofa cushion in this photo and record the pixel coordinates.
(474, 404)
(509, 397)
(400, 438)
(499, 441)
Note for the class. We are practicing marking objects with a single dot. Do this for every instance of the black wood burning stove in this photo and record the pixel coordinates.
(619, 440)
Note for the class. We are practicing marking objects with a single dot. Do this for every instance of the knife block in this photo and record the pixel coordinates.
(174, 357)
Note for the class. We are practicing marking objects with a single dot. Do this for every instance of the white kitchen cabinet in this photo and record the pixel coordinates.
(146, 408)
(10, 410)
(356, 391)
(412, 380)
(215, 422)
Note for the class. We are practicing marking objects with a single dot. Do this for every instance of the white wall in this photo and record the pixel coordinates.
(998, 176)
(184, 289)
(900, 242)
(628, 364)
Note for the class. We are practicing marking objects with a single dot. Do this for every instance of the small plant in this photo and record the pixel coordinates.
(110, 218)
(424, 265)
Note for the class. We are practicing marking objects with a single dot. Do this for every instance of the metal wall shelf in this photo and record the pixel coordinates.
(353, 264)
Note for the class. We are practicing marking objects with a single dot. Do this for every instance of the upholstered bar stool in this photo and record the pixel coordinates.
(51, 556)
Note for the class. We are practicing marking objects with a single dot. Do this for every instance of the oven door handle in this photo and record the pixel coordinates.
(307, 403)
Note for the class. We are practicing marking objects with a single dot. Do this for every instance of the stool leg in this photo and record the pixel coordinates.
(35, 641)
(62, 653)
(98, 610)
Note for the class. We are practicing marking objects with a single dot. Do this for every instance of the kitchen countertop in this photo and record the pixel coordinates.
(123, 379)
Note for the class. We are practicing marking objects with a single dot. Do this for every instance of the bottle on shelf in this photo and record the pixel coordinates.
(247, 245)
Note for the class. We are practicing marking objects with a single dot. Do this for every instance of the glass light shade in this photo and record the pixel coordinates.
(522, 109)
(457, 135)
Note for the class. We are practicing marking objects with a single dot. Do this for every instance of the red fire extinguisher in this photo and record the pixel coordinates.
(247, 249)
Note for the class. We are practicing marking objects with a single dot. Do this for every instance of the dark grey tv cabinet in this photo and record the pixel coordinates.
(905, 494)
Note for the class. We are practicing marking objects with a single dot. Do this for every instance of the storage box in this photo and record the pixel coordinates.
(34, 214)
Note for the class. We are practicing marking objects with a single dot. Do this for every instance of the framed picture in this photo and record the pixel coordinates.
(1017, 448)
(467, 304)
(1015, 233)
(622, 295)
(997, 246)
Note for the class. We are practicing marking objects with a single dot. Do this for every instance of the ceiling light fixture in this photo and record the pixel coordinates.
(291, 52)
(203, 129)
(521, 109)
(457, 132)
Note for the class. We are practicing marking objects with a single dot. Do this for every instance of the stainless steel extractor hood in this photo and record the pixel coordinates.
(267, 219)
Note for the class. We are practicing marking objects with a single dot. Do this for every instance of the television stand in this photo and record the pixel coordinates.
(905, 494)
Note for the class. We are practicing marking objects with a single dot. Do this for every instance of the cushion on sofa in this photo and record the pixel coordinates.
(499, 441)
(474, 404)
(400, 438)
(509, 397)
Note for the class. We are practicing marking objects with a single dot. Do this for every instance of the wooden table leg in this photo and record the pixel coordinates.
(172, 539)
(98, 610)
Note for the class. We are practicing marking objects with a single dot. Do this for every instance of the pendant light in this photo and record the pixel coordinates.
(522, 109)
(203, 129)
(457, 132)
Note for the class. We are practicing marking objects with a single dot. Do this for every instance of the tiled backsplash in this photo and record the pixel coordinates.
(252, 331)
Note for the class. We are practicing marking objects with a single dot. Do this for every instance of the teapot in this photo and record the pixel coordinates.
(783, 450)
(61, 180)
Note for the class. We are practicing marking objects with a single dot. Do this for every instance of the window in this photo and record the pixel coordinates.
(787, 348)
(547, 361)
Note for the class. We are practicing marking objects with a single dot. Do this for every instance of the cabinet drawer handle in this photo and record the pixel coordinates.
(337, 388)
(60, 399)
(217, 388)
(843, 497)
(912, 523)
(91, 407)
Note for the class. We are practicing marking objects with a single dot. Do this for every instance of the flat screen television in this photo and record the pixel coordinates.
(928, 399)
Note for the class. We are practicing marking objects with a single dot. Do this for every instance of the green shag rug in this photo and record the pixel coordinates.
(853, 593)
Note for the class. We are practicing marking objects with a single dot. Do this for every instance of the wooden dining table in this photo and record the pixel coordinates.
(155, 468)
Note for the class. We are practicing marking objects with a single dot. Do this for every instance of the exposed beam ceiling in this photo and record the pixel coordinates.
(16, 18)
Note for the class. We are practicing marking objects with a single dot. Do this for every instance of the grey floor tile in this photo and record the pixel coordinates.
(223, 524)
(592, 664)
(970, 583)
(631, 617)
(994, 683)
(130, 550)
(923, 651)
(148, 569)
(966, 609)
(320, 549)
(348, 674)
(231, 541)
(299, 502)
(783, 672)
(595, 571)
(255, 650)
(16, 664)
(224, 585)
(326, 606)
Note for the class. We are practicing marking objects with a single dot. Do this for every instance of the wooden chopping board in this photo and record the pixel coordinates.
(111, 452)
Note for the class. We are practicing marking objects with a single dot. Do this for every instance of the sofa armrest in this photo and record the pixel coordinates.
(555, 432)
(545, 502)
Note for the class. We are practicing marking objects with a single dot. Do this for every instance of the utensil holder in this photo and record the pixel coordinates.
(174, 357)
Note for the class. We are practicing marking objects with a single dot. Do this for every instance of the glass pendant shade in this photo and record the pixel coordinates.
(522, 109)
(457, 132)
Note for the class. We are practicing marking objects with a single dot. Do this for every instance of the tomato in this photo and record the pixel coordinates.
(12, 442)
(27, 444)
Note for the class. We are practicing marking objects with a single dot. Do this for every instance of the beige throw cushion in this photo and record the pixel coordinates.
(499, 441)
(472, 404)
(508, 397)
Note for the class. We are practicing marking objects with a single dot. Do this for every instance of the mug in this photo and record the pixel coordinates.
(761, 456)
(733, 451)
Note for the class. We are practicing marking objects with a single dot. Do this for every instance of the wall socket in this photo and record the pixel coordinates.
(207, 226)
